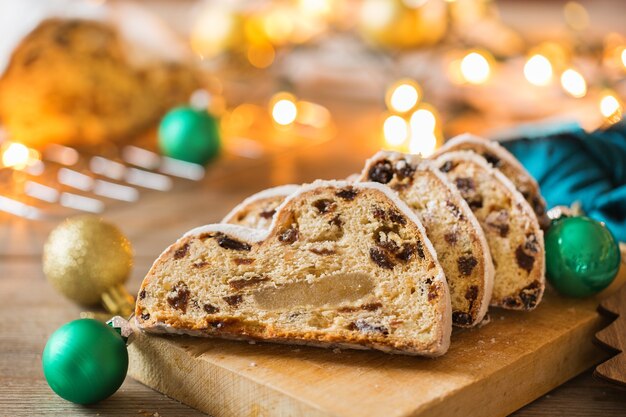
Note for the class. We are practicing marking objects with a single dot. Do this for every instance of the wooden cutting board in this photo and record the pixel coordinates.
(488, 371)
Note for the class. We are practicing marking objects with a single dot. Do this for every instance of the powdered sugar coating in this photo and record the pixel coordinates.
(427, 165)
(280, 191)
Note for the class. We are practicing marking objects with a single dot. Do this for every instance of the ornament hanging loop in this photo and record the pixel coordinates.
(123, 327)
(557, 212)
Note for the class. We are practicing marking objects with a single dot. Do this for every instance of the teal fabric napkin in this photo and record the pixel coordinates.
(576, 166)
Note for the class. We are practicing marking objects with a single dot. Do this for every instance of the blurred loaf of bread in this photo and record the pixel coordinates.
(70, 81)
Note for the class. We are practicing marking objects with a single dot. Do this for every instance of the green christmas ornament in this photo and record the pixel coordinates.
(582, 256)
(85, 361)
(190, 135)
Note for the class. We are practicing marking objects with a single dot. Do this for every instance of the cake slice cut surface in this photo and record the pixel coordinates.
(257, 211)
(510, 225)
(342, 264)
(450, 225)
(500, 158)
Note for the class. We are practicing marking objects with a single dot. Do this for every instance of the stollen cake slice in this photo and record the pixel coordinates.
(502, 159)
(257, 211)
(342, 264)
(510, 225)
(450, 225)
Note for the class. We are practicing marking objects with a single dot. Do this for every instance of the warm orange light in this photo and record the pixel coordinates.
(611, 108)
(576, 16)
(316, 7)
(623, 56)
(261, 55)
(403, 96)
(475, 68)
(423, 143)
(212, 31)
(574, 83)
(278, 25)
(414, 4)
(283, 109)
(15, 155)
(242, 117)
(377, 14)
(395, 130)
(423, 121)
(312, 114)
(538, 70)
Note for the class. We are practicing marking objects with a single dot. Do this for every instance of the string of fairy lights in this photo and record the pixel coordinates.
(265, 32)
(259, 35)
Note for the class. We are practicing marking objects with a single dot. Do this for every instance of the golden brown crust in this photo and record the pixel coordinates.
(350, 293)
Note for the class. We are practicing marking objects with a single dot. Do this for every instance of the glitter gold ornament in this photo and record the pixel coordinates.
(88, 260)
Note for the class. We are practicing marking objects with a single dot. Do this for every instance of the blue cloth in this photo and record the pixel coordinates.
(576, 166)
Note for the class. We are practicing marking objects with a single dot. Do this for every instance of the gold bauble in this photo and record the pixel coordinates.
(85, 256)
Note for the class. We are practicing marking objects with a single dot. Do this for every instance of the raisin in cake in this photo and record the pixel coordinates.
(510, 225)
(450, 225)
(258, 210)
(343, 264)
(502, 159)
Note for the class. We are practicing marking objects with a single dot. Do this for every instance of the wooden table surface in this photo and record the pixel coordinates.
(30, 310)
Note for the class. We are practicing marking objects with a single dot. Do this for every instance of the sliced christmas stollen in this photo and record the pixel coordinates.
(502, 159)
(450, 225)
(510, 225)
(257, 211)
(342, 265)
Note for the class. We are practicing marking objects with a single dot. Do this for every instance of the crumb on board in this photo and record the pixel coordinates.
(336, 350)
(253, 364)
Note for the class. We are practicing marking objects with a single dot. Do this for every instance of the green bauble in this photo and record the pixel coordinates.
(582, 256)
(85, 361)
(190, 135)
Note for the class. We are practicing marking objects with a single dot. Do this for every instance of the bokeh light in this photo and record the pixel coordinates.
(15, 155)
(610, 107)
(403, 96)
(312, 114)
(475, 68)
(424, 144)
(283, 109)
(576, 16)
(538, 70)
(574, 83)
(213, 30)
(261, 55)
(395, 130)
(423, 121)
